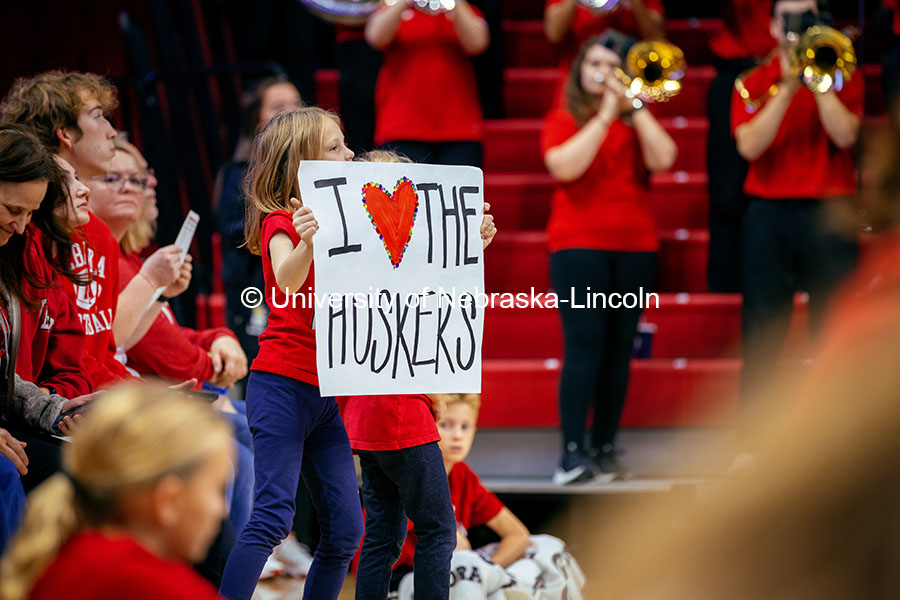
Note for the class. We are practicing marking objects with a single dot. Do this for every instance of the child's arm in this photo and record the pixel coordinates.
(488, 229)
(513, 537)
(289, 263)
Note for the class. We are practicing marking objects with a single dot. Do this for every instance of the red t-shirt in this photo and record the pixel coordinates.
(95, 251)
(426, 89)
(51, 347)
(389, 422)
(586, 25)
(743, 31)
(168, 349)
(94, 566)
(607, 208)
(288, 345)
(802, 162)
(473, 505)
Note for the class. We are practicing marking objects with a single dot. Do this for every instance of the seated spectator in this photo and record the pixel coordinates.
(67, 111)
(426, 97)
(52, 339)
(167, 349)
(240, 268)
(29, 177)
(141, 494)
(520, 565)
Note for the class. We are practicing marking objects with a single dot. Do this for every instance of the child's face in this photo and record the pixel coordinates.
(333, 147)
(457, 429)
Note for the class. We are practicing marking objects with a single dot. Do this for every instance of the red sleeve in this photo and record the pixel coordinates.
(479, 504)
(756, 83)
(853, 94)
(166, 351)
(64, 367)
(205, 337)
(277, 222)
(559, 126)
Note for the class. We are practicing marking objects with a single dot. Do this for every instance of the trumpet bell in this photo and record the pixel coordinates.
(825, 59)
(343, 12)
(656, 70)
(601, 7)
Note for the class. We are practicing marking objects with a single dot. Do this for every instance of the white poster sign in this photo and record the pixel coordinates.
(399, 269)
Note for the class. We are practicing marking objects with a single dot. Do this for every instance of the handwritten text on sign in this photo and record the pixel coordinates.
(398, 264)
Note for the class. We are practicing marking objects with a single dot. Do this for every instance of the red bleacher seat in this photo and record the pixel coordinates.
(662, 393)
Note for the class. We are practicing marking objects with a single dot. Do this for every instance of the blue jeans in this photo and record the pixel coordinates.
(397, 483)
(12, 500)
(296, 431)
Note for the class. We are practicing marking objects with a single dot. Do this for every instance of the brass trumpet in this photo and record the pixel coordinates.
(823, 59)
(654, 71)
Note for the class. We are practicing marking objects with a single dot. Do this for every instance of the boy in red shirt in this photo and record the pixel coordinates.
(799, 148)
(519, 566)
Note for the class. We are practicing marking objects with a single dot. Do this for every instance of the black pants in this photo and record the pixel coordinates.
(358, 64)
(726, 170)
(787, 246)
(598, 341)
(439, 153)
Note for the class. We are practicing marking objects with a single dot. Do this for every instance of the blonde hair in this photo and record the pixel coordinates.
(384, 156)
(132, 438)
(473, 401)
(275, 157)
(140, 233)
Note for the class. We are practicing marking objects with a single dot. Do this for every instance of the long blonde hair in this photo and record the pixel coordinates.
(275, 157)
(131, 439)
(140, 233)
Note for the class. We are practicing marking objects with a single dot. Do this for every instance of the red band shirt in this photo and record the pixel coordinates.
(607, 208)
(743, 31)
(426, 89)
(586, 25)
(802, 161)
(288, 345)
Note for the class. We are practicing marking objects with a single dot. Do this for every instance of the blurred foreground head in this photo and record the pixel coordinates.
(146, 462)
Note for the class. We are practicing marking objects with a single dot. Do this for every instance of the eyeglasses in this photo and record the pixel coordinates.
(117, 179)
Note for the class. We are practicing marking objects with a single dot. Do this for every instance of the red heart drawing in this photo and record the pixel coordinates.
(392, 215)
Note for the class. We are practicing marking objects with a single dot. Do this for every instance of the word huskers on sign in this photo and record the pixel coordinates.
(398, 268)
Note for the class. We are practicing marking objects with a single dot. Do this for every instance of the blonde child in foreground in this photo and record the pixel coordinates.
(518, 567)
(141, 494)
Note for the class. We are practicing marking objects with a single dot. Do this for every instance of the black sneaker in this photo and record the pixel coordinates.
(608, 464)
(573, 468)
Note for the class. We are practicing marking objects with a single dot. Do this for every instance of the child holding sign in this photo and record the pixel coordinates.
(295, 430)
(403, 475)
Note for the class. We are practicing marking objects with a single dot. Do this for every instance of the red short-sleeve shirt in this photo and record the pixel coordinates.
(802, 162)
(473, 505)
(743, 31)
(288, 344)
(98, 566)
(390, 422)
(426, 89)
(586, 25)
(607, 208)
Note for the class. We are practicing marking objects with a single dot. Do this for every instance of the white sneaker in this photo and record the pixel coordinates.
(295, 557)
(272, 568)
